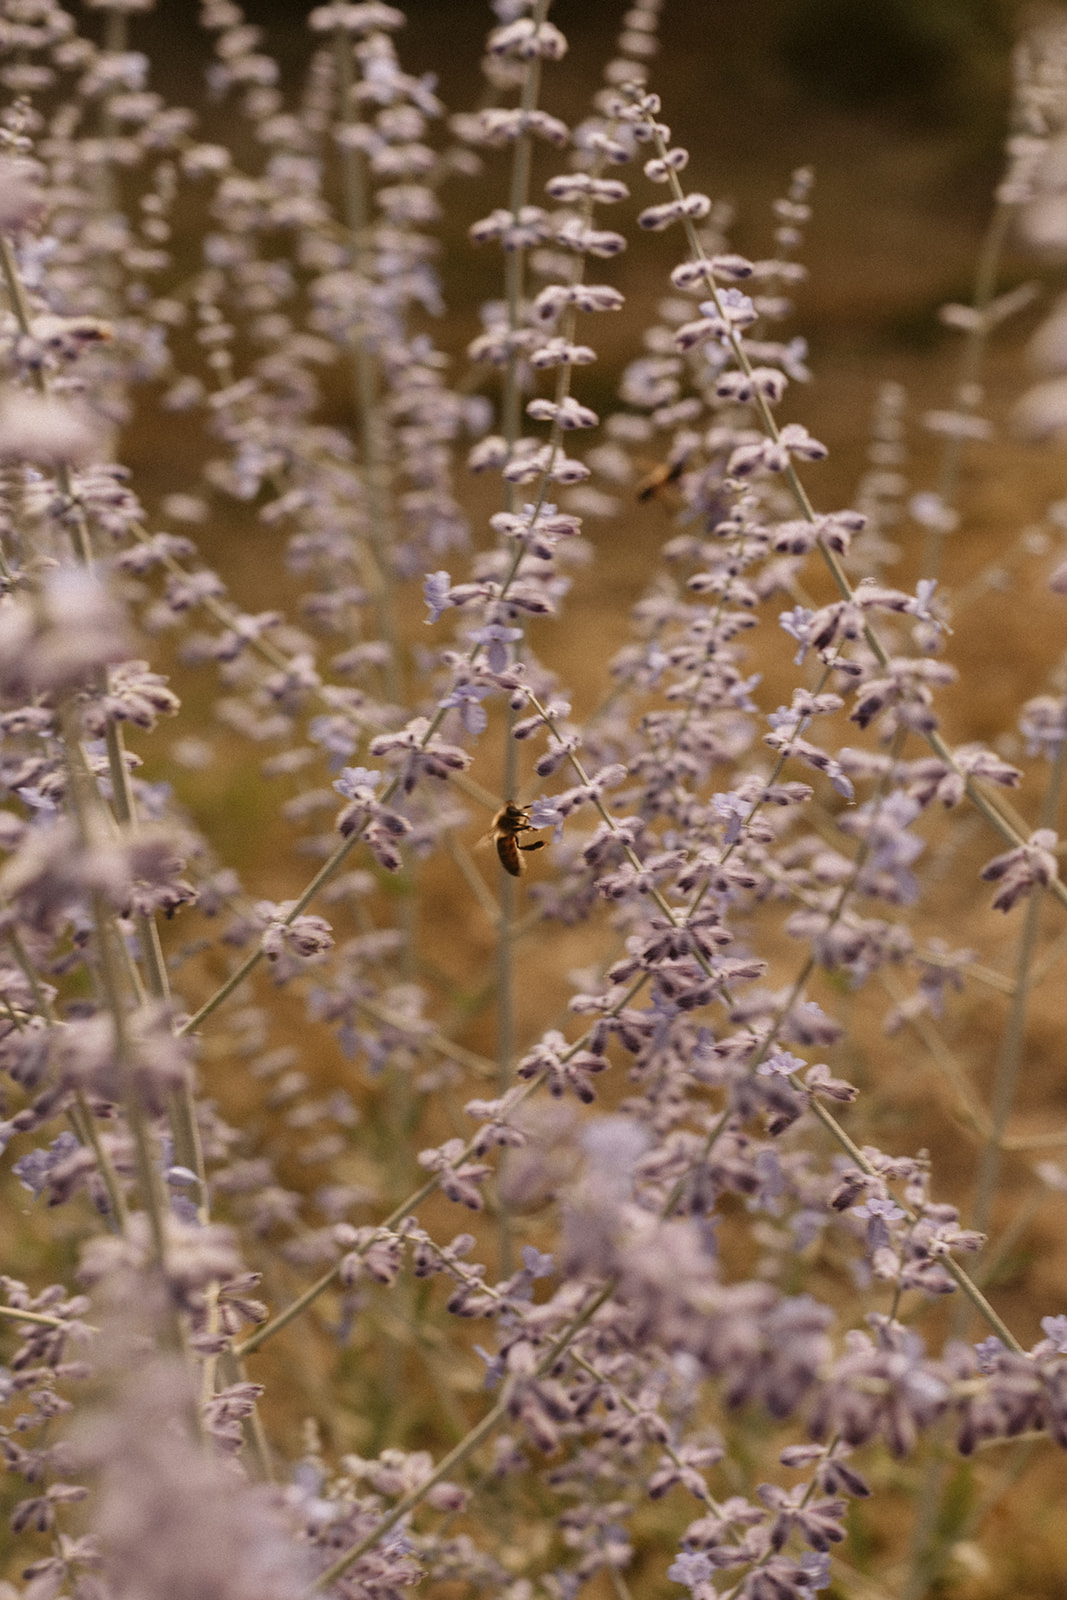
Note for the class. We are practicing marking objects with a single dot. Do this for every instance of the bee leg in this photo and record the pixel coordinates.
(540, 845)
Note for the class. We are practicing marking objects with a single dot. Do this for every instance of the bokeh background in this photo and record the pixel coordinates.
(901, 108)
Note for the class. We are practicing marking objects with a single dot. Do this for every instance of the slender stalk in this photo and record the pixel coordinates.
(1014, 1041)
(366, 382)
(39, 1319)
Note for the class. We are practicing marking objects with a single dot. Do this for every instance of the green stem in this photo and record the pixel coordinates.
(39, 1319)
(1014, 1041)
(366, 383)
(965, 394)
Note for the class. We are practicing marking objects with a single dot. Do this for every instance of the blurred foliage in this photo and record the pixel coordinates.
(927, 57)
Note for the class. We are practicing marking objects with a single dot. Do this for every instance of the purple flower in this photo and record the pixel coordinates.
(988, 1352)
(357, 783)
(536, 1263)
(34, 1171)
(495, 636)
(1055, 1329)
(814, 1570)
(546, 814)
(467, 697)
(435, 591)
(335, 735)
(782, 1063)
(799, 624)
(879, 1214)
(1019, 871)
(691, 1567)
(737, 308)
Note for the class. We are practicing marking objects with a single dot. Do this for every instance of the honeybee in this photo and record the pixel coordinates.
(507, 825)
(661, 477)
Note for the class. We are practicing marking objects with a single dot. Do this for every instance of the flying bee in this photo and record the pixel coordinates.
(661, 477)
(507, 825)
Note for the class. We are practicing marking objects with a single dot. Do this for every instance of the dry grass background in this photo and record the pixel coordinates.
(904, 175)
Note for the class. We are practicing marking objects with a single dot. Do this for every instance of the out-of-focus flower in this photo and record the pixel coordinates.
(43, 429)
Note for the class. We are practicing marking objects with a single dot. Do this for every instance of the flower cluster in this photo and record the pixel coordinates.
(268, 1014)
